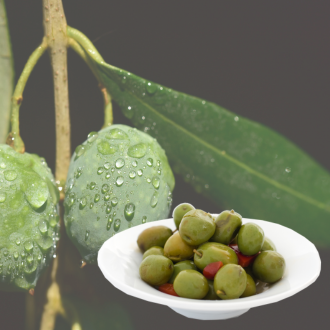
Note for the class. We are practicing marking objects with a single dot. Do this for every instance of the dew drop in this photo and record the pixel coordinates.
(114, 201)
(105, 148)
(80, 150)
(107, 175)
(158, 163)
(144, 219)
(119, 181)
(91, 205)
(108, 209)
(87, 235)
(3, 197)
(129, 211)
(109, 223)
(28, 246)
(117, 225)
(132, 175)
(15, 255)
(10, 175)
(288, 170)
(139, 172)
(3, 165)
(43, 227)
(148, 180)
(96, 198)
(156, 182)
(29, 259)
(79, 172)
(117, 133)
(100, 170)
(70, 184)
(92, 136)
(120, 163)
(150, 162)
(151, 87)
(92, 185)
(154, 199)
(18, 241)
(137, 150)
(105, 188)
(134, 163)
(83, 203)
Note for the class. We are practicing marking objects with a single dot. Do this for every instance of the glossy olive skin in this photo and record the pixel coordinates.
(196, 227)
(251, 288)
(212, 252)
(156, 270)
(191, 284)
(153, 236)
(180, 266)
(268, 245)
(211, 295)
(230, 282)
(269, 266)
(227, 224)
(155, 250)
(177, 250)
(250, 239)
(180, 211)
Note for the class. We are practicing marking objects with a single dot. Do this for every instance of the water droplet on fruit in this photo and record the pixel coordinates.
(87, 235)
(137, 150)
(134, 163)
(92, 185)
(120, 163)
(83, 203)
(43, 227)
(151, 88)
(132, 175)
(117, 225)
(105, 148)
(28, 246)
(96, 198)
(3, 197)
(10, 175)
(144, 219)
(100, 170)
(114, 201)
(129, 211)
(105, 188)
(117, 133)
(156, 182)
(119, 181)
(154, 199)
(79, 151)
(92, 136)
(150, 162)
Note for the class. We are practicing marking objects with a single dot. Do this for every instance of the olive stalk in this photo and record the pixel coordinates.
(14, 139)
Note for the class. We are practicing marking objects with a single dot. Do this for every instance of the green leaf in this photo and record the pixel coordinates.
(238, 163)
(6, 73)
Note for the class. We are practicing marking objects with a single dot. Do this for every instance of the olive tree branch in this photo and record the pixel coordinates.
(14, 139)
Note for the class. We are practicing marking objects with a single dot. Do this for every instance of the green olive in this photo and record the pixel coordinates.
(196, 227)
(211, 252)
(250, 289)
(156, 270)
(153, 236)
(227, 224)
(155, 250)
(230, 281)
(177, 250)
(180, 266)
(268, 245)
(269, 266)
(191, 284)
(250, 239)
(180, 211)
(211, 295)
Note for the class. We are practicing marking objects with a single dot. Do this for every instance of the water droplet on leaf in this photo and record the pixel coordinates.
(129, 211)
(10, 175)
(137, 150)
(154, 199)
(120, 163)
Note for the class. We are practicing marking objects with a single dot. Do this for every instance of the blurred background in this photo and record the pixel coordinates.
(264, 60)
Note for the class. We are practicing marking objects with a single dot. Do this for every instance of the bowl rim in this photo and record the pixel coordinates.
(197, 305)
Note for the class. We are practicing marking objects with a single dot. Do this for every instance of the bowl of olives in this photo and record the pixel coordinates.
(209, 266)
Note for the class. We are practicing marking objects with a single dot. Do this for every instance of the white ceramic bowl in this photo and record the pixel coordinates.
(119, 259)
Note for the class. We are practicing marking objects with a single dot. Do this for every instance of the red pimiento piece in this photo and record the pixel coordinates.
(243, 260)
(211, 269)
(168, 288)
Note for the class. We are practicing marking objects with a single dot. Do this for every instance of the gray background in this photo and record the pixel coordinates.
(265, 60)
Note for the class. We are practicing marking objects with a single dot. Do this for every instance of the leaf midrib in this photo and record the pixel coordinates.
(223, 153)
